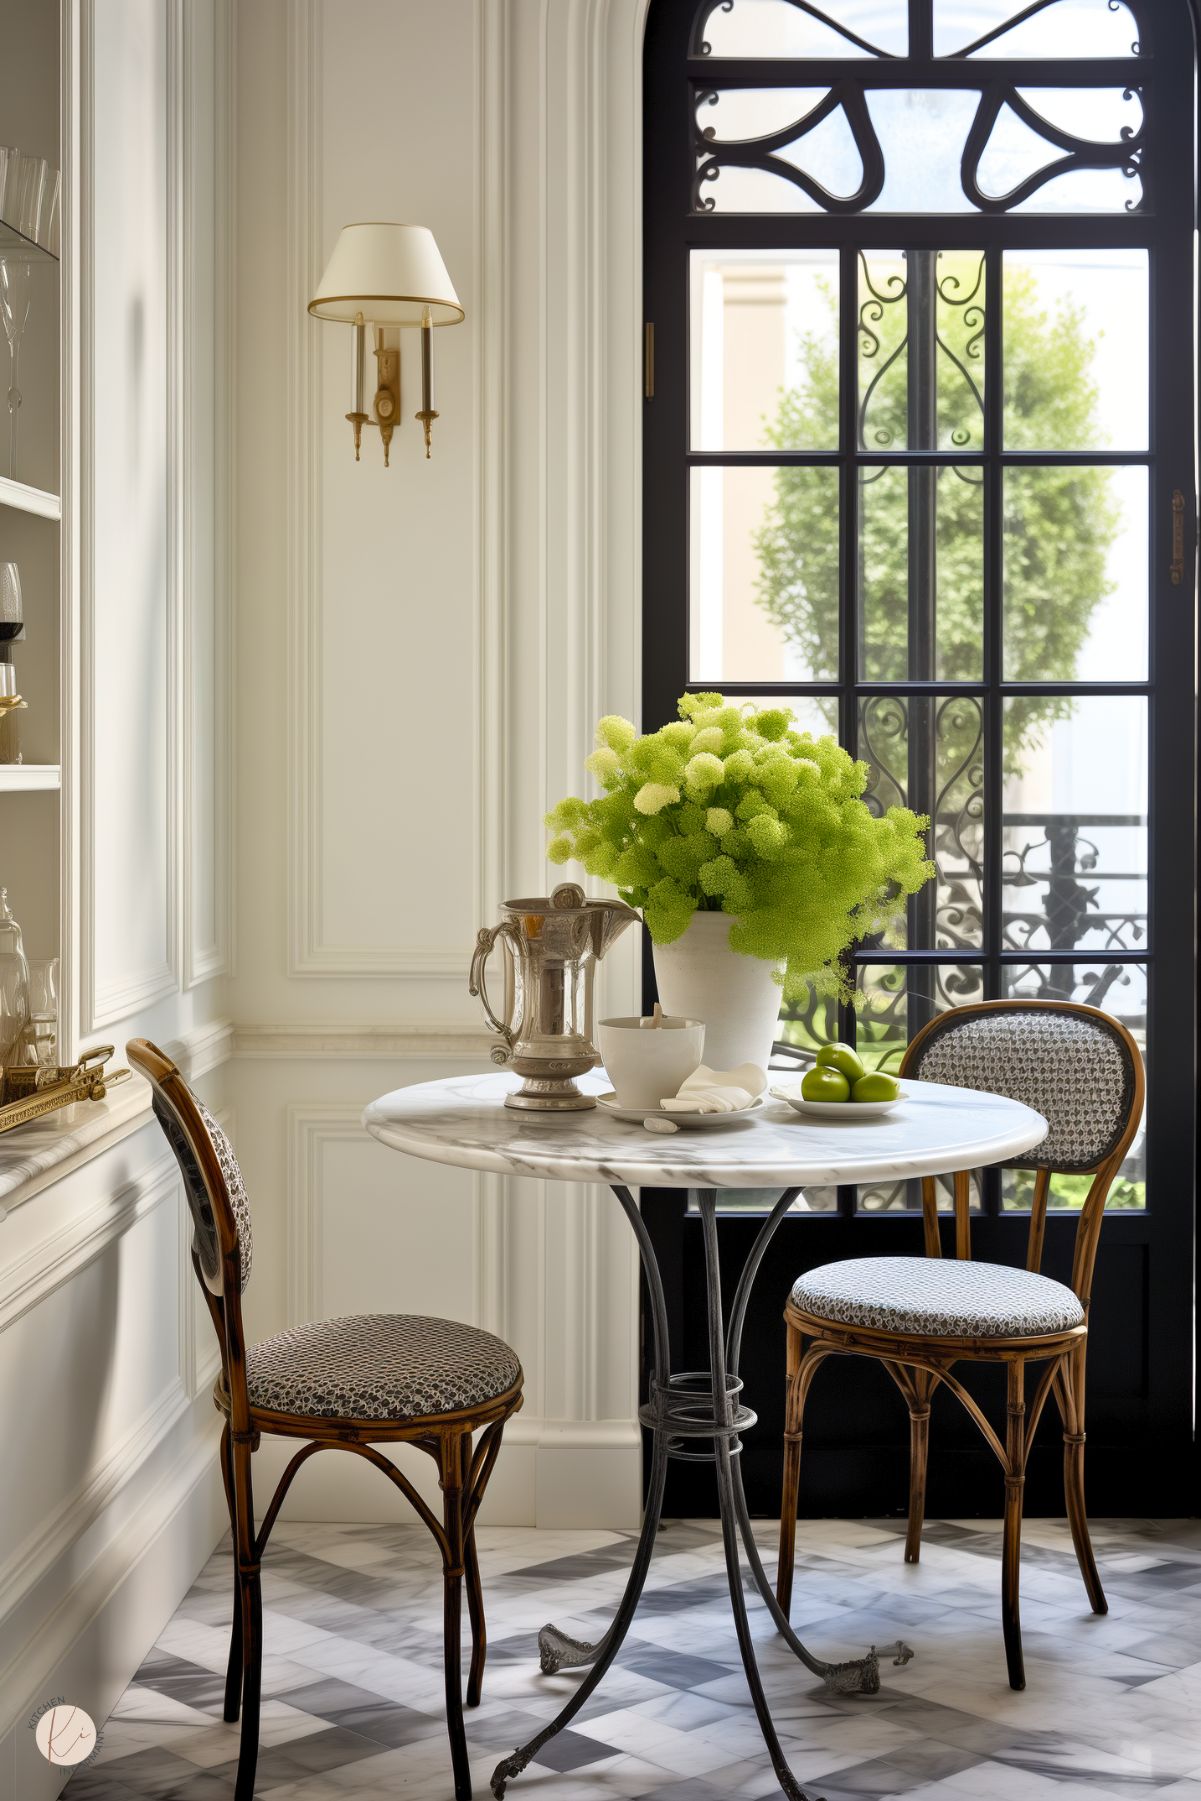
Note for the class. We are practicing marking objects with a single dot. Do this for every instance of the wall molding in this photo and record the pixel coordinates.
(310, 952)
(420, 1043)
(25, 1566)
(200, 1049)
(185, 1501)
(109, 999)
(309, 1130)
(76, 275)
(556, 374)
(211, 868)
(69, 1249)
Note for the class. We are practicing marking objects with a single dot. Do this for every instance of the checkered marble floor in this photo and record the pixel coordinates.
(353, 1687)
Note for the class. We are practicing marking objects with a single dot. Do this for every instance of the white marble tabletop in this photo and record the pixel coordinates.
(937, 1129)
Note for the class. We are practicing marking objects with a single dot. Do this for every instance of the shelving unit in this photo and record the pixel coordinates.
(38, 501)
(30, 778)
(31, 792)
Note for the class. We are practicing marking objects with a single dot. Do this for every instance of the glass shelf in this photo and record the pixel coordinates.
(14, 243)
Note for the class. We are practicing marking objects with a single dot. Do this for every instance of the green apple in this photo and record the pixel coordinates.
(876, 1087)
(822, 1084)
(842, 1058)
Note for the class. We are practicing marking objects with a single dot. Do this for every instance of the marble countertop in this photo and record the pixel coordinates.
(35, 1155)
(462, 1121)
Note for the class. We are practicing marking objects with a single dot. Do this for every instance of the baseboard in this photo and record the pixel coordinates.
(549, 1473)
(89, 1648)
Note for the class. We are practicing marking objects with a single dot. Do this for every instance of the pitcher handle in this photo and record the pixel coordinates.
(477, 986)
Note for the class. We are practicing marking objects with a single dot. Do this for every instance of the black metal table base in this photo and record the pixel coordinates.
(696, 1414)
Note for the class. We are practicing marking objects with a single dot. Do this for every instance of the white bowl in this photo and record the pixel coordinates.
(847, 1111)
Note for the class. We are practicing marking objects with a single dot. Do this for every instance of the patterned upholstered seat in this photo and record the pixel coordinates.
(379, 1366)
(937, 1298)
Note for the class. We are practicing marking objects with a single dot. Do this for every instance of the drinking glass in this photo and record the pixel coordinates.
(11, 708)
(15, 285)
(42, 1031)
(12, 617)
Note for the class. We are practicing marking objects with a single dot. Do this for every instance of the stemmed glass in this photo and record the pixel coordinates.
(29, 201)
(12, 617)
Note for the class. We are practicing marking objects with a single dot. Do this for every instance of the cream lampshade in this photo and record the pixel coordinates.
(388, 275)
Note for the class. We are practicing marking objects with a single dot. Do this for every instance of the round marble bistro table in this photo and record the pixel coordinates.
(462, 1121)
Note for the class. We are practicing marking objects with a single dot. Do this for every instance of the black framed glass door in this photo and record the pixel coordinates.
(919, 459)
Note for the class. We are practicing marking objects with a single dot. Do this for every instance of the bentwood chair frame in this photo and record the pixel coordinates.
(920, 1364)
(463, 1471)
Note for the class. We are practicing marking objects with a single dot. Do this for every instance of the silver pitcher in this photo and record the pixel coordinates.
(553, 948)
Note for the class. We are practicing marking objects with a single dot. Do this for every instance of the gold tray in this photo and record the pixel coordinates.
(28, 1092)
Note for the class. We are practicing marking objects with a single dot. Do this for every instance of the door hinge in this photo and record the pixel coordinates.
(648, 359)
(1177, 566)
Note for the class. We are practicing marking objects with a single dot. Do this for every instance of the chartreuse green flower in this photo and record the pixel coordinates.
(733, 810)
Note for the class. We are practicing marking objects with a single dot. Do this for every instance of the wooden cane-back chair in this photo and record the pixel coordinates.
(920, 1316)
(343, 1384)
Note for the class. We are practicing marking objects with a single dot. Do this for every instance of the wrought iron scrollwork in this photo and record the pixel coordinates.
(1020, 18)
(950, 292)
(955, 290)
(872, 312)
(702, 47)
(1068, 911)
(1079, 153)
(956, 806)
(958, 822)
(760, 153)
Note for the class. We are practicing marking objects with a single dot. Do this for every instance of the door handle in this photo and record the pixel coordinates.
(1177, 564)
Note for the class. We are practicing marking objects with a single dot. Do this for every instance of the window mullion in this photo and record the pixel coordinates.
(848, 545)
(994, 576)
(921, 30)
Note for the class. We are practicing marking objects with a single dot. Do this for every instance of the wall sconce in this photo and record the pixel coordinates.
(386, 275)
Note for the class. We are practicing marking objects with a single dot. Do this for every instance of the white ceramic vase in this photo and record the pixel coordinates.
(738, 997)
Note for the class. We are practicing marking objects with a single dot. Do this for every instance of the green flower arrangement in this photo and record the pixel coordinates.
(730, 809)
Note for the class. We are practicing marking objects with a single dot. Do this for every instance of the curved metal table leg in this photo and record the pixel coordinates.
(724, 1420)
(858, 1676)
(557, 1650)
(681, 1408)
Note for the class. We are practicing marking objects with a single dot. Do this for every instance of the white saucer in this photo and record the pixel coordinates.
(636, 1115)
(848, 1111)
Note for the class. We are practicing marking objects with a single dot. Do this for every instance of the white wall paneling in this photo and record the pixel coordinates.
(130, 588)
(96, 1347)
(367, 1236)
(115, 1499)
(207, 488)
(354, 581)
(454, 628)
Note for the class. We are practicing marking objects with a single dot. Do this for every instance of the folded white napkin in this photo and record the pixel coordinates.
(718, 1090)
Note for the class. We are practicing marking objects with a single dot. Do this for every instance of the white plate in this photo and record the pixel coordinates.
(636, 1115)
(849, 1111)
